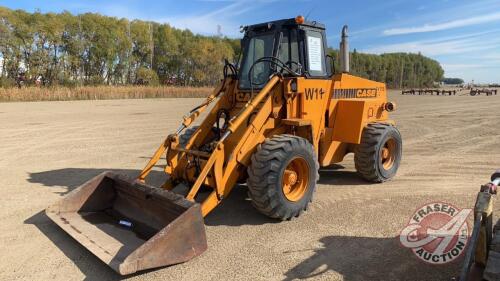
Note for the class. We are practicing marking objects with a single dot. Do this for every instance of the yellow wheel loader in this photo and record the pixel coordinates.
(279, 114)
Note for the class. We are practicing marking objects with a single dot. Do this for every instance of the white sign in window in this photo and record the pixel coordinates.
(315, 51)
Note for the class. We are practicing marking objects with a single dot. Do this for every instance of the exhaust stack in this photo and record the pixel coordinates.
(344, 51)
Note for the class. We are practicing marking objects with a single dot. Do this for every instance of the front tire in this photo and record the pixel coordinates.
(282, 176)
(378, 156)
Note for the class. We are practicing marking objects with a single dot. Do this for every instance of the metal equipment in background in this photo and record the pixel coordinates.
(421, 92)
(487, 92)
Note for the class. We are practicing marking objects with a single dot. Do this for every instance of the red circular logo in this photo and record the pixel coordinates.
(437, 233)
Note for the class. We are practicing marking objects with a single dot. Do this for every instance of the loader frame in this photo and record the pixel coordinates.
(223, 173)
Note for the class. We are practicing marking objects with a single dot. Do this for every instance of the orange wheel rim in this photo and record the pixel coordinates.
(388, 154)
(295, 179)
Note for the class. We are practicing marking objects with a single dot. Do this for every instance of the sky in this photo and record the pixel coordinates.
(463, 35)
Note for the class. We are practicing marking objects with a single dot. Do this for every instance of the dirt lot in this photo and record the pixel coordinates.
(451, 146)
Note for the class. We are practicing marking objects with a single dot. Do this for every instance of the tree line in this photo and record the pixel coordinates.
(92, 49)
(397, 70)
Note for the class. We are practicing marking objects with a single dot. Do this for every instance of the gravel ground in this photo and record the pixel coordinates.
(451, 146)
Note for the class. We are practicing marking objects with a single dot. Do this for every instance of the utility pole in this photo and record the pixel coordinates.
(151, 43)
(80, 37)
(401, 77)
(129, 53)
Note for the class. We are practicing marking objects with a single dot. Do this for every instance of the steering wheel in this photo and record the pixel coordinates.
(260, 79)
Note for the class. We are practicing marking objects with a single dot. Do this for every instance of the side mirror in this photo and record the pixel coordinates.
(330, 70)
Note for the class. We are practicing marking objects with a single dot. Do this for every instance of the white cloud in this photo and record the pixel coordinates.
(493, 57)
(465, 56)
(460, 66)
(208, 23)
(225, 17)
(445, 25)
(461, 44)
(482, 74)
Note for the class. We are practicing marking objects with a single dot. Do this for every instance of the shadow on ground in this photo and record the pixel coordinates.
(233, 211)
(74, 177)
(238, 204)
(365, 258)
(336, 175)
(236, 210)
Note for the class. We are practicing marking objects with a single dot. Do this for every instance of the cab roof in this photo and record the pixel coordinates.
(283, 23)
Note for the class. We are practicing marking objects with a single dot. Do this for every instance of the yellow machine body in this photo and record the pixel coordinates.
(330, 113)
(320, 117)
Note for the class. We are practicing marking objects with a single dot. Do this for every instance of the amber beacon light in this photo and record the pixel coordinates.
(299, 19)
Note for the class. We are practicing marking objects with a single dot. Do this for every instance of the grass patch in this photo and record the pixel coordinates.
(100, 93)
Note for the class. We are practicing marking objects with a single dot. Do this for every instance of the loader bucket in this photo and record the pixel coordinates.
(129, 225)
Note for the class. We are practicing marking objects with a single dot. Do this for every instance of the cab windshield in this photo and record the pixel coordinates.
(256, 48)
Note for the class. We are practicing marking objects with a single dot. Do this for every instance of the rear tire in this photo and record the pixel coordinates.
(378, 156)
(282, 176)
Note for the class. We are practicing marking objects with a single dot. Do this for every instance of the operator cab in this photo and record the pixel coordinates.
(295, 43)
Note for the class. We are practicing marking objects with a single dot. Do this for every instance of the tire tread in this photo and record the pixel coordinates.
(263, 175)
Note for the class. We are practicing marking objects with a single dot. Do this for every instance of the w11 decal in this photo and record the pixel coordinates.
(314, 93)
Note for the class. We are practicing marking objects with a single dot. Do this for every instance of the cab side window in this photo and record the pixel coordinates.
(289, 50)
